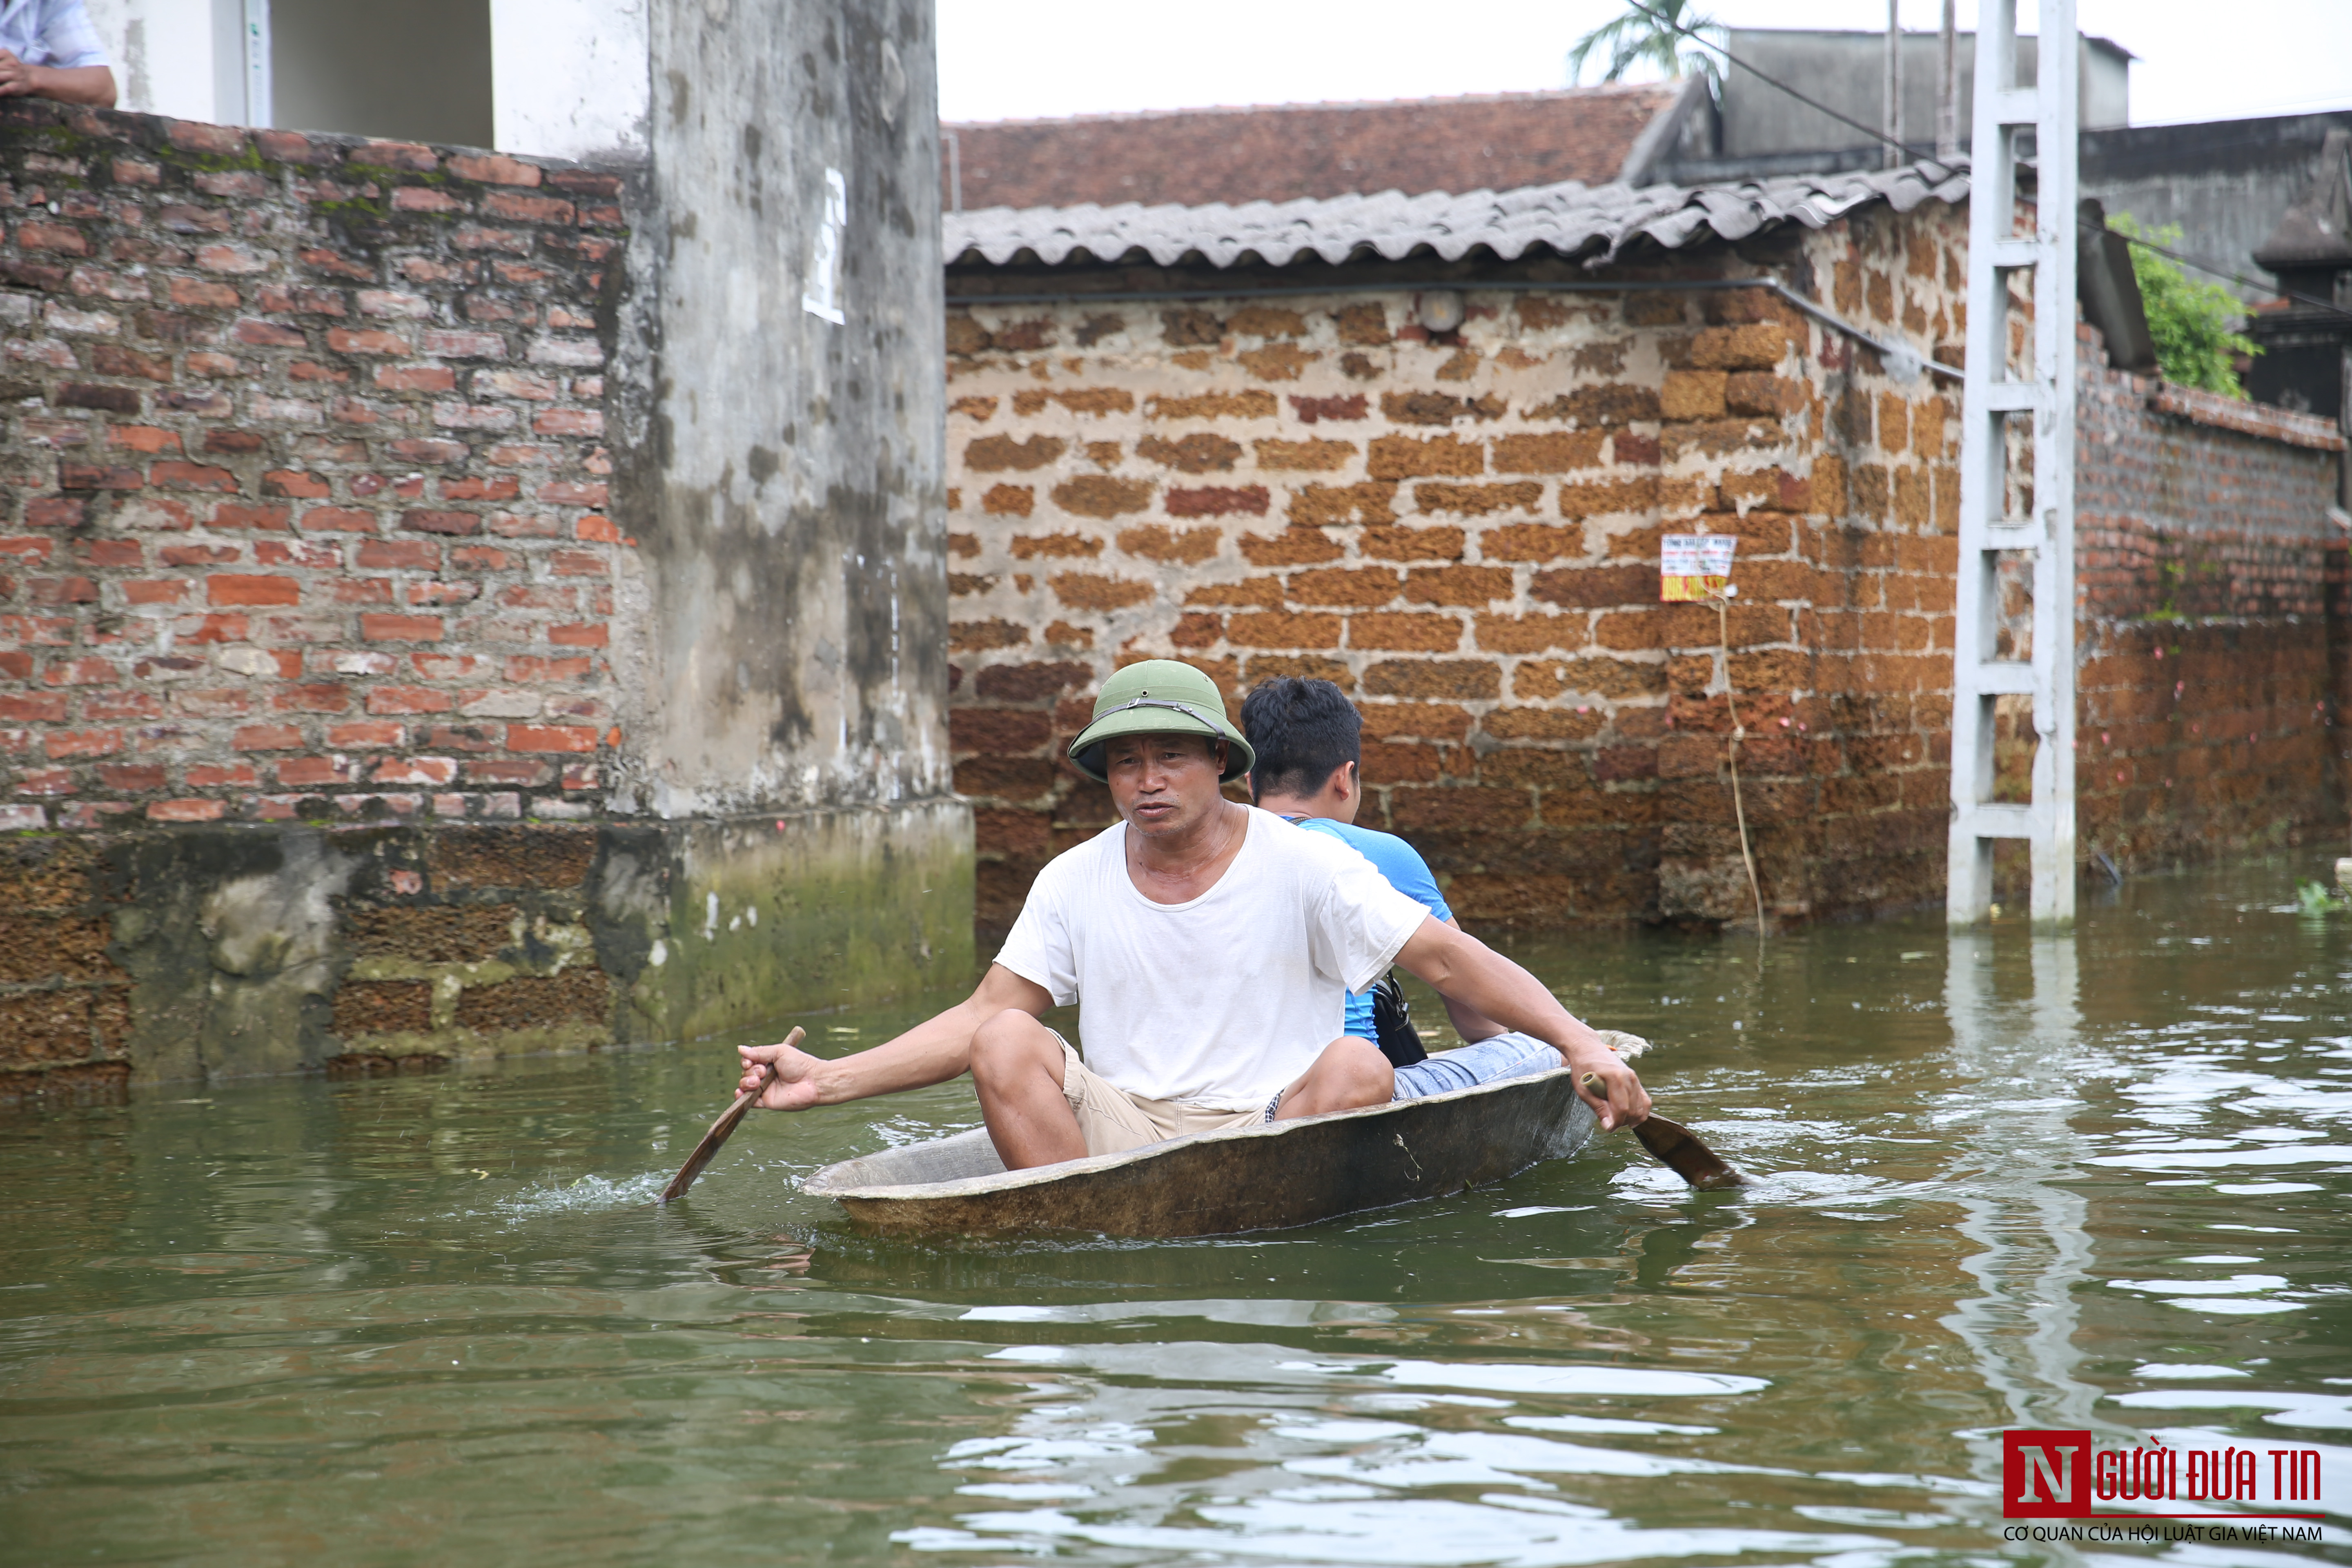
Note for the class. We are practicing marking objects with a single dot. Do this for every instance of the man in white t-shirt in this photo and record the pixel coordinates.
(1210, 946)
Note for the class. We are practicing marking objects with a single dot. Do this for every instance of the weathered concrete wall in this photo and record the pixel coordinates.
(1463, 533)
(786, 467)
(1843, 69)
(376, 512)
(2224, 184)
(779, 405)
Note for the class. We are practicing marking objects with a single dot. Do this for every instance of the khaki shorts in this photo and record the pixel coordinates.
(1114, 1121)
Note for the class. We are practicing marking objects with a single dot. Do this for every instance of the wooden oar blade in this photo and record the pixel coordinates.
(1679, 1149)
(720, 1130)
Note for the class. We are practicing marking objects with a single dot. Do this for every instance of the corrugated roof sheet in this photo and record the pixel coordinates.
(1569, 219)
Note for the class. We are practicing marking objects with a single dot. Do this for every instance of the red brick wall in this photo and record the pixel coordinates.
(2211, 664)
(1464, 533)
(304, 463)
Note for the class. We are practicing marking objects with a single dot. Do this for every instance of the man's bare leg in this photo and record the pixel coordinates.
(1016, 1065)
(1350, 1072)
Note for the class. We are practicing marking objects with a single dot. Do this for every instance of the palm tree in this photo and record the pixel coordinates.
(1646, 34)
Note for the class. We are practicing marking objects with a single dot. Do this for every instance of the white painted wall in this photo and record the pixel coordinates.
(572, 78)
(175, 57)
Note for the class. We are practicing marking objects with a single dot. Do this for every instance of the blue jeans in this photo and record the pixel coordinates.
(1509, 1055)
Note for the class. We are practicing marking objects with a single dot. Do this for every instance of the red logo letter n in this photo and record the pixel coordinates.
(2045, 1474)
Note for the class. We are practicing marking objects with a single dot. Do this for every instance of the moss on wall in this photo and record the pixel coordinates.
(231, 951)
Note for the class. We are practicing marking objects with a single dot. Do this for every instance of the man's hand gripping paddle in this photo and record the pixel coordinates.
(1677, 1148)
(720, 1130)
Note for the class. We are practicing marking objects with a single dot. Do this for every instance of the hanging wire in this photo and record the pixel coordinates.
(1722, 598)
(1701, 40)
(2329, 306)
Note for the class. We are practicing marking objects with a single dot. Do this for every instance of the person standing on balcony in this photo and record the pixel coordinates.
(48, 49)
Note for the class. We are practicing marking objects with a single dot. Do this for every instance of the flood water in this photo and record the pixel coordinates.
(2002, 1182)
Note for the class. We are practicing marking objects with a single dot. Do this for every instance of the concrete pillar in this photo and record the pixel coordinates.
(781, 458)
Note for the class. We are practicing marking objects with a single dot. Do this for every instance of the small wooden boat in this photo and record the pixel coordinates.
(1214, 1183)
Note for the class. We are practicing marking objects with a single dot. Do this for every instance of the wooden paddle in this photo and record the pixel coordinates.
(1678, 1149)
(722, 1130)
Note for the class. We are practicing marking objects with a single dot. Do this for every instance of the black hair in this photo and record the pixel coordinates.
(1302, 731)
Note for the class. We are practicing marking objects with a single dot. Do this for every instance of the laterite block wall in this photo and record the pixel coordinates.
(1464, 533)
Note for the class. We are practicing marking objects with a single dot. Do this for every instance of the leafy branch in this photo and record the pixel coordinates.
(1647, 36)
(2194, 325)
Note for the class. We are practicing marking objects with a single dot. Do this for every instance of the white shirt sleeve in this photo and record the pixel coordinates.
(1361, 919)
(1039, 949)
(66, 38)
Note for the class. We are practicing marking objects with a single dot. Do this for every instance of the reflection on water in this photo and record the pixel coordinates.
(2095, 1183)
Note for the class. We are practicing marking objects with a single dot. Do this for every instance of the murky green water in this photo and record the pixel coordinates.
(2096, 1183)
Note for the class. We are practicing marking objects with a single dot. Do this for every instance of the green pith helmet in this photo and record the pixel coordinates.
(1160, 697)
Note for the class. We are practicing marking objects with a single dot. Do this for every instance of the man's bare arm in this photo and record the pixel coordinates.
(1460, 965)
(931, 1052)
(1468, 1022)
(93, 85)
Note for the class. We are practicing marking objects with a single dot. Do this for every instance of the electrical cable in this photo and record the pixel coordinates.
(1878, 135)
(1697, 37)
(2239, 279)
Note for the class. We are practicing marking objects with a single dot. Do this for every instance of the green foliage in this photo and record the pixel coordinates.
(2194, 324)
(1638, 39)
(2316, 897)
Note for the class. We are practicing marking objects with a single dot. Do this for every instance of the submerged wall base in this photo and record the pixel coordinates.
(219, 951)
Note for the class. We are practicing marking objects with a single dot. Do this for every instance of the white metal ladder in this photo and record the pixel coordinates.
(2049, 110)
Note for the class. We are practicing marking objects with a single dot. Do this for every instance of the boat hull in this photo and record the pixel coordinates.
(1215, 1183)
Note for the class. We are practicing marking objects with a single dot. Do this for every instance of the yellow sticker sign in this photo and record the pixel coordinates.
(1693, 566)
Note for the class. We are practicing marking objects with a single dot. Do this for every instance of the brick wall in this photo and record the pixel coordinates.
(2211, 662)
(350, 707)
(304, 476)
(302, 521)
(1462, 531)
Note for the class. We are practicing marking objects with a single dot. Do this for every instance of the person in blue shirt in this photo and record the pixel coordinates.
(1309, 741)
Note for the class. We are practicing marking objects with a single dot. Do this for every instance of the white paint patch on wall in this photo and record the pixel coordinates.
(823, 295)
(572, 78)
(163, 55)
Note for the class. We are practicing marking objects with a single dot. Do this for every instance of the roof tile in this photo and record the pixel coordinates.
(1567, 218)
(1295, 152)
